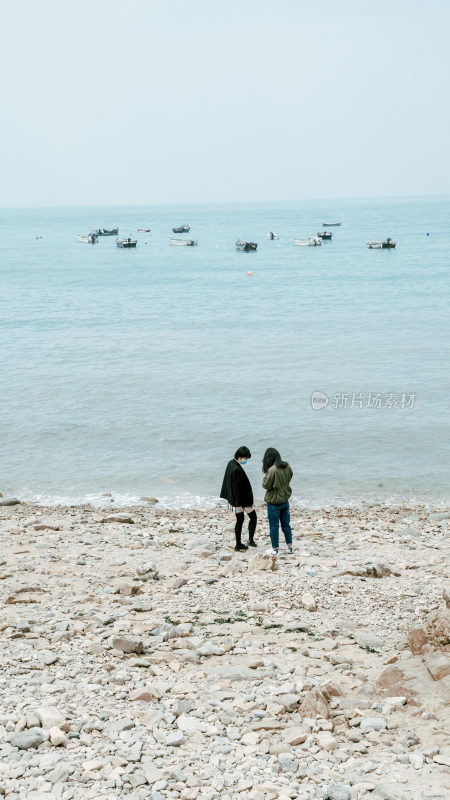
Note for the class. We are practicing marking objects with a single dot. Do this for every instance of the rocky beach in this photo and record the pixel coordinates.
(141, 657)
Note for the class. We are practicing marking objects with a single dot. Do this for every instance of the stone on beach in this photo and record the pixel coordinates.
(128, 645)
(146, 694)
(369, 640)
(148, 571)
(309, 602)
(263, 561)
(57, 736)
(314, 705)
(26, 739)
(49, 716)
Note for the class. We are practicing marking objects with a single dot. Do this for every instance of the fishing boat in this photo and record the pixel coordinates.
(182, 229)
(246, 246)
(324, 235)
(107, 232)
(184, 242)
(331, 224)
(126, 242)
(91, 238)
(315, 241)
(144, 230)
(272, 235)
(388, 244)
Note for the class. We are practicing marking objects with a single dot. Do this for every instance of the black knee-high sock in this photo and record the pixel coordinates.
(252, 519)
(238, 527)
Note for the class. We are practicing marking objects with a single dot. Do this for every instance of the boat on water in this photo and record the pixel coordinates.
(91, 238)
(331, 224)
(246, 246)
(325, 235)
(144, 230)
(107, 231)
(185, 242)
(129, 242)
(315, 241)
(182, 229)
(272, 235)
(388, 244)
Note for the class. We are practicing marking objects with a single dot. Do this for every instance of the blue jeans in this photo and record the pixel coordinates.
(279, 513)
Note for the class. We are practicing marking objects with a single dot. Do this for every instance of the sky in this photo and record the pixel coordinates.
(160, 101)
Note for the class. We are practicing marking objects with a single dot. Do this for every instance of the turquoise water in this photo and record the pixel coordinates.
(140, 372)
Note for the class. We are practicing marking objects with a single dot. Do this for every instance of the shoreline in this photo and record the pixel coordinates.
(188, 503)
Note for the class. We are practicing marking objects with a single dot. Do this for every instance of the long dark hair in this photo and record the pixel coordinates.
(271, 457)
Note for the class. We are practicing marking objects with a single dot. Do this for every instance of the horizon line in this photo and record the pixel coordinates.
(227, 202)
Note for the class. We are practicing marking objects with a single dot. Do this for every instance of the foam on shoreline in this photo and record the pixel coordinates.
(185, 501)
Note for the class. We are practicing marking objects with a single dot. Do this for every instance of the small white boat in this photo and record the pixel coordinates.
(325, 235)
(107, 232)
(126, 242)
(388, 244)
(144, 230)
(182, 229)
(313, 242)
(246, 247)
(184, 242)
(331, 224)
(91, 238)
(272, 235)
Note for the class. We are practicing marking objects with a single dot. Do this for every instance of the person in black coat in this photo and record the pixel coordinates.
(237, 491)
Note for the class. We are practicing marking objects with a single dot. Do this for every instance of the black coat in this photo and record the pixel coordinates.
(236, 487)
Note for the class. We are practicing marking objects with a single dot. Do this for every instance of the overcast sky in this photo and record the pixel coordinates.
(147, 101)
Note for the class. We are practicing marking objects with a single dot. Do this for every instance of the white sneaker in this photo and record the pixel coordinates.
(289, 549)
(271, 552)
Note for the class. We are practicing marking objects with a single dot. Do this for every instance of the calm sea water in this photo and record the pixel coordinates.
(140, 372)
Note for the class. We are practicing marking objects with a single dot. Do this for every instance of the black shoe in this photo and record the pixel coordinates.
(241, 547)
(252, 543)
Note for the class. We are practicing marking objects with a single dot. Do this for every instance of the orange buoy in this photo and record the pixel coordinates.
(250, 272)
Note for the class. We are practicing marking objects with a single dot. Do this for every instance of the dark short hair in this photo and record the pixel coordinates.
(243, 452)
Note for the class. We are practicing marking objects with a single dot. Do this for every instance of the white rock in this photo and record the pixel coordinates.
(326, 741)
(443, 759)
(295, 736)
(49, 717)
(151, 772)
(309, 602)
(57, 736)
(187, 723)
(417, 760)
(92, 765)
(175, 739)
(373, 724)
(263, 561)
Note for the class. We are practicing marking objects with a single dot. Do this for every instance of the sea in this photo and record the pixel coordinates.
(137, 373)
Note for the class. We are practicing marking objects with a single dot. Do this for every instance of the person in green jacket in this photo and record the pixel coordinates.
(276, 481)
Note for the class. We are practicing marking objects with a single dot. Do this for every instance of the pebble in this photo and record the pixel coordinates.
(372, 724)
(26, 739)
(337, 791)
(309, 602)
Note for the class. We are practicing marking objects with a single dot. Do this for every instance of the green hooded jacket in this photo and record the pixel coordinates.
(276, 483)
